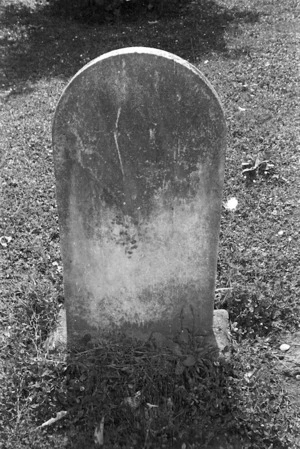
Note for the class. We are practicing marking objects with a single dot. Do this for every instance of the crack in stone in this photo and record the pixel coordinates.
(117, 143)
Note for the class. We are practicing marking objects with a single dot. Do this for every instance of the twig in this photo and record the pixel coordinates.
(50, 421)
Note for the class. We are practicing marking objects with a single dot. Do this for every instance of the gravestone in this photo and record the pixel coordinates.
(139, 141)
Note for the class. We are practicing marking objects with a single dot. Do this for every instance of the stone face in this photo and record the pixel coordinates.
(139, 140)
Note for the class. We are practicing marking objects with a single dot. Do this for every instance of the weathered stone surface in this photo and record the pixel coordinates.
(139, 139)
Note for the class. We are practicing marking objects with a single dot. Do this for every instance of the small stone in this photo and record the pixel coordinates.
(231, 204)
(284, 347)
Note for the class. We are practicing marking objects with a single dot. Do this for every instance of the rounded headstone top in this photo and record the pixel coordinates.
(145, 51)
(132, 119)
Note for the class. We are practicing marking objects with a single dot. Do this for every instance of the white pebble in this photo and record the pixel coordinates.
(284, 347)
(231, 204)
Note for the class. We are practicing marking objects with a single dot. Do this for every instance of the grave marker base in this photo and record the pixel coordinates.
(215, 346)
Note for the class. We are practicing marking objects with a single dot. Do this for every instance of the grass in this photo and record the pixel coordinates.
(248, 51)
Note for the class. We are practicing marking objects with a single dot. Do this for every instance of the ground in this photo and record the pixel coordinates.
(248, 49)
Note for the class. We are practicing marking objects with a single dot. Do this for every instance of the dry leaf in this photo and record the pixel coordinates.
(189, 361)
(98, 434)
(4, 240)
(151, 405)
(134, 401)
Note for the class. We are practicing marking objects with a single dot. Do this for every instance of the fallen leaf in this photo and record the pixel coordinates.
(134, 401)
(4, 240)
(151, 405)
(248, 376)
(189, 361)
(98, 434)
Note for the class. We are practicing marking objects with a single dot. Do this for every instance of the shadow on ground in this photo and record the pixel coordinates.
(36, 43)
(145, 396)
